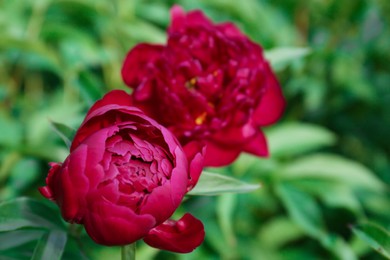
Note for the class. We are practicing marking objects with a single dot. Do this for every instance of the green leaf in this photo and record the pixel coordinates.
(377, 237)
(279, 231)
(332, 167)
(226, 205)
(210, 184)
(25, 212)
(50, 246)
(284, 56)
(339, 247)
(295, 138)
(12, 239)
(302, 208)
(65, 132)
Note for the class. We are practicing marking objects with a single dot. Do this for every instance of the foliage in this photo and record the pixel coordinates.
(329, 167)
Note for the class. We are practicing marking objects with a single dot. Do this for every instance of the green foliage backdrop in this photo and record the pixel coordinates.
(329, 171)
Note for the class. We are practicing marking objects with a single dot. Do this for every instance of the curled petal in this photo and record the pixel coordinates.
(47, 191)
(181, 236)
(195, 152)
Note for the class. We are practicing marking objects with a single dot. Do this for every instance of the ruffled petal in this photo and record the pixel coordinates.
(181, 236)
(139, 62)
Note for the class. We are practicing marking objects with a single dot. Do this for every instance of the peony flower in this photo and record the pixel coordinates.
(124, 177)
(209, 83)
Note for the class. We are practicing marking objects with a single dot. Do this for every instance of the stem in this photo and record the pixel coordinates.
(128, 252)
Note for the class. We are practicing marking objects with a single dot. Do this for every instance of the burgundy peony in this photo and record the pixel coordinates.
(124, 177)
(208, 83)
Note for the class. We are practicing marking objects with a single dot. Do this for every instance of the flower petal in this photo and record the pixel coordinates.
(195, 152)
(117, 97)
(113, 225)
(257, 145)
(139, 62)
(181, 236)
(217, 155)
(272, 103)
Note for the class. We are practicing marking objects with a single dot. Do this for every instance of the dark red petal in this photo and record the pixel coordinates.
(139, 62)
(230, 30)
(180, 20)
(217, 156)
(47, 191)
(272, 103)
(257, 145)
(195, 152)
(181, 236)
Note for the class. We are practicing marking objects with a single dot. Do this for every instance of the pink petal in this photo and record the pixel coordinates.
(257, 145)
(139, 62)
(159, 203)
(272, 104)
(181, 236)
(112, 225)
(118, 97)
(217, 155)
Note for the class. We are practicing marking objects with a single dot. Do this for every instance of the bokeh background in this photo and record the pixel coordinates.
(329, 168)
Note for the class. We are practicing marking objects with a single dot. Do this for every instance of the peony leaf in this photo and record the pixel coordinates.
(16, 238)
(211, 184)
(65, 132)
(50, 246)
(332, 167)
(377, 237)
(226, 206)
(25, 213)
(283, 56)
(302, 208)
(295, 138)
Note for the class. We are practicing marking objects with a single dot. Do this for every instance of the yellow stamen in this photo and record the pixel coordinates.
(200, 119)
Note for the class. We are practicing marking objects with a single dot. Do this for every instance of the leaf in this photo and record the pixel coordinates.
(339, 247)
(50, 246)
(283, 56)
(302, 208)
(279, 231)
(26, 212)
(296, 138)
(377, 237)
(226, 205)
(12, 239)
(210, 184)
(65, 132)
(332, 167)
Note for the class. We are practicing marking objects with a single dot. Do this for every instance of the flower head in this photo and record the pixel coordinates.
(124, 177)
(209, 83)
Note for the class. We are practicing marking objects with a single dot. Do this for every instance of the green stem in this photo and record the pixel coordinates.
(128, 252)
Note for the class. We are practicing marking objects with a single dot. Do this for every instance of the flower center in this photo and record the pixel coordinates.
(135, 168)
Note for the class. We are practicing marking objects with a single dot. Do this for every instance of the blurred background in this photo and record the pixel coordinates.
(329, 168)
